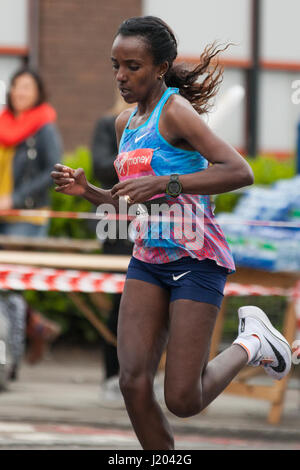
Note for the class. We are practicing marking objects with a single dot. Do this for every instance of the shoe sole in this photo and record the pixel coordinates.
(261, 317)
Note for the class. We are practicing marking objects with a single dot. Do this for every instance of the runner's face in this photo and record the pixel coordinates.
(133, 66)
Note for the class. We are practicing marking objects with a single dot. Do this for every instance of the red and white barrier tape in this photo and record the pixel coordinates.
(232, 288)
(48, 279)
(50, 214)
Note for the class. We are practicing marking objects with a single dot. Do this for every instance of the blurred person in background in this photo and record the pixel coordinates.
(29, 146)
(104, 152)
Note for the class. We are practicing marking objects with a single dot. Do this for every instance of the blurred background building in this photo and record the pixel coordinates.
(70, 41)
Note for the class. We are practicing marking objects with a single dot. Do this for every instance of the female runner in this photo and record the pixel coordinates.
(173, 289)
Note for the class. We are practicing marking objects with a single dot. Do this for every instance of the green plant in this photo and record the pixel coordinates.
(266, 171)
(57, 305)
(73, 228)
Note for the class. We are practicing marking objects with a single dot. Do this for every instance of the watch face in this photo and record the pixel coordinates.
(174, 187)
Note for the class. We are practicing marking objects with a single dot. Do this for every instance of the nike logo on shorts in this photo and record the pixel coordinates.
(140, 137)
(175, 278)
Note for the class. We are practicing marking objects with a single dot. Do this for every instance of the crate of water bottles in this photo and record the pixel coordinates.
(266, 246)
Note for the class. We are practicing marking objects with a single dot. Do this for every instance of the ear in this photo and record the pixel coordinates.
(162, 70)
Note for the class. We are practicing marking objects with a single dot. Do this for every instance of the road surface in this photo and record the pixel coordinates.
(25, 435)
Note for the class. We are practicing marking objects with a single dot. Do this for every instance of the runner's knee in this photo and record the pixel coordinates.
(133, 386)
(182, 403)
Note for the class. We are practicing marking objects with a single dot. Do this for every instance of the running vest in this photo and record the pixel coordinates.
(143, 151)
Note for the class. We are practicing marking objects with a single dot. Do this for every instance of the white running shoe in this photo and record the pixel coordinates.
(274, 352)
(110, 394)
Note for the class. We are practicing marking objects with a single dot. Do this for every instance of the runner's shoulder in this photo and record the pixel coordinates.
(121, 121)
(177, 115)
(176, 107)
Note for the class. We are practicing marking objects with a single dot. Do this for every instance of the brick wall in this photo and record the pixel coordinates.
(75, 38)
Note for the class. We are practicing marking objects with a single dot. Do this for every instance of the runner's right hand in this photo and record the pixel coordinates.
(69, 181)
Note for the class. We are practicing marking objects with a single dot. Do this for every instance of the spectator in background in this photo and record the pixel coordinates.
(29, 147)
(104, 152)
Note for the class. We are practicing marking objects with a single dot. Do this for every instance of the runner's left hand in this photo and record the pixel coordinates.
(139, 189)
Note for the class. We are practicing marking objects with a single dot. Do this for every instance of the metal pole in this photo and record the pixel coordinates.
(253, 82)
(298, 149)
(33, 33)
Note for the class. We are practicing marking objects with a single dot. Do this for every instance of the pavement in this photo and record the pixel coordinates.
(65, 389)
(44, 436)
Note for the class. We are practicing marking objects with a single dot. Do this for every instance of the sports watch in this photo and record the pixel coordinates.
(174, 187)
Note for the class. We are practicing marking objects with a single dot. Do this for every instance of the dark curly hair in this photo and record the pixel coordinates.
(162, 44)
